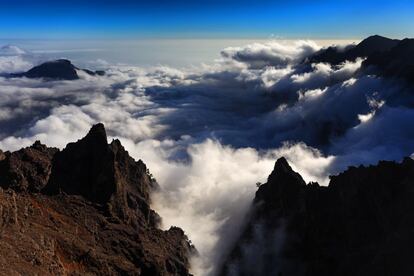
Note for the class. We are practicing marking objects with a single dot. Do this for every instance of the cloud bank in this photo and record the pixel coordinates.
(209, 134)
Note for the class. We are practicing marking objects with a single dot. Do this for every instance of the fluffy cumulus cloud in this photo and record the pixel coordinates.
(259, 55)
(209, 134)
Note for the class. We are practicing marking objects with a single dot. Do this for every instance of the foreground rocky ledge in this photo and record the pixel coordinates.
(361, 224)
(84, 210)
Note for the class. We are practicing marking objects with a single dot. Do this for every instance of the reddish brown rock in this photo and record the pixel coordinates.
(27, 169)
(92, 217)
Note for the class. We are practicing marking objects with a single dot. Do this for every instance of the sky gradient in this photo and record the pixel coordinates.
(205, 18)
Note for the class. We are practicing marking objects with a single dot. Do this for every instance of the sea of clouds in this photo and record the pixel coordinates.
(210, 133)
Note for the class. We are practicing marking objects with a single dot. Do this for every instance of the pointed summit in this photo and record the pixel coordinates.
(104, 174)
(283, 173)
(372, 44)
(283, 189)
(282, 165)
(97, 134)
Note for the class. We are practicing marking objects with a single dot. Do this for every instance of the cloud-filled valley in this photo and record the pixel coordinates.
(209, 134)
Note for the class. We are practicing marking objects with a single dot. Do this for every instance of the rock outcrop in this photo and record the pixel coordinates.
(84, 210)
(27, 169)
(361, 224)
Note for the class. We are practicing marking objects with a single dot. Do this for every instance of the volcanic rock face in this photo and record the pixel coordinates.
(361, 224)
(84, 210)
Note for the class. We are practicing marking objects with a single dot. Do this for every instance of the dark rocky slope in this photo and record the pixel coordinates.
(84, 210)
(367, 47)
(361, 224)
(397, 62)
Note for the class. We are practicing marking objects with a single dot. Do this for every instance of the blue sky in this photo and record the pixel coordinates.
(205, 18)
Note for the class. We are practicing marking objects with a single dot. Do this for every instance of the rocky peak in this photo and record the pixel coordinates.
(85, 168)
(283, 189)
(283, 172)
(104, 174)
(361, 224)
(97, 135)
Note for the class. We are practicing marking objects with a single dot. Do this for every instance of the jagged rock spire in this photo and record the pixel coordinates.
(283, 188)
(104, 174)
(85, 168)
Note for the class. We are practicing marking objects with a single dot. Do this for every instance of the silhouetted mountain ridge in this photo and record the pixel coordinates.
(361, 224)
(371, 45)
(383, 56)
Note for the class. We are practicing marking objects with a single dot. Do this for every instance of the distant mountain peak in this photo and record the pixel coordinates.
(375, 43)
(375, 37)
(11, 50)
(60, 69)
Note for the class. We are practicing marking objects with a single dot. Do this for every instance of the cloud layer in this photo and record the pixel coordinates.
(208, 134)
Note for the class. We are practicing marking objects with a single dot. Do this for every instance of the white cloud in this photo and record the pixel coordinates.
(273, 53)
(13, 64)
(209, 134)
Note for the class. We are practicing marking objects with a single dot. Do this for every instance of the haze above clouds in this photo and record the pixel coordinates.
(209, 133)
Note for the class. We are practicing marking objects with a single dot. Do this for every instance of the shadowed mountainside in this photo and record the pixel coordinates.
(361, 224)
(84, 210)
(367, 47)
(384, 56)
